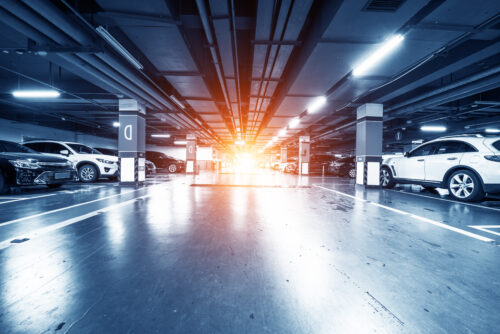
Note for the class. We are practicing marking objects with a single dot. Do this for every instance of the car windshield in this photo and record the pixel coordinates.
(497, 145)
(7, 146)
(82, 149)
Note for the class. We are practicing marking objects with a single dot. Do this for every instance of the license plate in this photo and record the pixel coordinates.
(59, 176)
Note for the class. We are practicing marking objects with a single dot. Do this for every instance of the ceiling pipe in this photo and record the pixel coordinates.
(215, 58)
(237, 66)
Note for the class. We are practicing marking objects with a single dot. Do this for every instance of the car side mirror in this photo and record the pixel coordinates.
(64, 152)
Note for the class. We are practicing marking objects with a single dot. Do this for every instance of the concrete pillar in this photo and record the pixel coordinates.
(132, 141)
(283, 155)
(369, 134)
(190, 154)
(304, 153)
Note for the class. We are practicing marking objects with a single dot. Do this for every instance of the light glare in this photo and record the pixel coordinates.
(489, 130)
(294, 122)
(35, 93)
(433, 128)
(160, 135)
(316, 104)
(386, 48)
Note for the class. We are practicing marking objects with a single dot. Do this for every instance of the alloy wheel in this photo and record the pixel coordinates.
(87, 173)
(462, 185)
(385, 178)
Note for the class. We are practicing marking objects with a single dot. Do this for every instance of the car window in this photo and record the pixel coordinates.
(449, 146)
(53, 148)
(496, 145)
(423, 150)
(35, 146)
(6, 146)
(82, 149)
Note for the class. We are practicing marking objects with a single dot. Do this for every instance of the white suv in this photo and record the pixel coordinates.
(468, 166)
(91, 164)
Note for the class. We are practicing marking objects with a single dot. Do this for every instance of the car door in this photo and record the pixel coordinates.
(412, 166)
(447, 154)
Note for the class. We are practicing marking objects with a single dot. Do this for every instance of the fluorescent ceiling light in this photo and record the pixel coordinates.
(386, 48)
(275, 138)
(433, 128)
(490, 130)
(282, 133)
(176, 101)
(116, 124)
(180, 142)
(294, 122)
(27, 94)
(160, 135)
(239, 142)
(118, 47)
(316, 104)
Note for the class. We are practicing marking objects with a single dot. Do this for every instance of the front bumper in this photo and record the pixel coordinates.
(108, 170)
(26, 177)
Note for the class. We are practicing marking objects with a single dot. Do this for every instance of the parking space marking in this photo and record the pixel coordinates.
(423, 219)
(486, 228)
(19, 199)
(71, 206)
(444, 199)
(41, 231)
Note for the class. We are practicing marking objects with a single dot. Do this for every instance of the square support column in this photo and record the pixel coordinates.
(190, 154)
(369, 135)
(283, 155)
(304, 154)
(132, 142)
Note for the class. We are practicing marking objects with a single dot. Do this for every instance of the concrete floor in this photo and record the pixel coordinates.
(247, 254)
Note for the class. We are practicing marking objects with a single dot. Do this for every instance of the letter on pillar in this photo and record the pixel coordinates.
(369, 133)
(132, 141)
(304, 153)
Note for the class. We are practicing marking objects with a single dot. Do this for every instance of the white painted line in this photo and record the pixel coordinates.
(26, 198)
(72, 206)
(423, 219)
(41, 231)
(486, 228)
(444, 199)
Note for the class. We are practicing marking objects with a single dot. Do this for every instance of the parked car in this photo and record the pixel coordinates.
(150, 167)
(344, 167)
(21, 166)
(90, 163)
(468, 166)
(319, 163)
(164, 162)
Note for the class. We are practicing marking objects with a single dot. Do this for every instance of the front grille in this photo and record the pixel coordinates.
(55, 165)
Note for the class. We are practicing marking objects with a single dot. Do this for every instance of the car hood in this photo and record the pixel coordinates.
(99, 156)
(39, 157)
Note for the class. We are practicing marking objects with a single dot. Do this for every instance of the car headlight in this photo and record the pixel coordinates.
(25, 163)
(104, 161)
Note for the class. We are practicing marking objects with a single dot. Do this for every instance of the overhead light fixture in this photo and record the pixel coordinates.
(275, 138)
(316, 104)
(118, 47)
(180, 142)
(240, 142)
(386, 48)
(294, 122)
(160, 135)
(176, 101)
(490, 130)
(282, 133)
(433, 128)
(30, 94)
(116, 124)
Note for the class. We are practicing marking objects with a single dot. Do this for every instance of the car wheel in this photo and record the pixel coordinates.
(352, 173)
(386, 179)
(172, 168)
(87, 173)
(4, 187)
(464, 186)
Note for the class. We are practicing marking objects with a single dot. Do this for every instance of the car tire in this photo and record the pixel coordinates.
(386, 179)
(4, 187)
(352, 173)
(465, 186)
(87, 173)
(172, 168)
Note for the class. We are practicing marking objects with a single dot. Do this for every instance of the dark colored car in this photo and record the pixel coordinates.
(344, 167)
(21, 166)
(150, 167)
(319, 164)
(164, 162)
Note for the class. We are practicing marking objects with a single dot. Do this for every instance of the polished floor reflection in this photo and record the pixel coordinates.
(246, 254)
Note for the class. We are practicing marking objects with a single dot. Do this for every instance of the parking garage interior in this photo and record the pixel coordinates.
(260, 166)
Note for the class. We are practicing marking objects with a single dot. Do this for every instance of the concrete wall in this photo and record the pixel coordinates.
(16, 132)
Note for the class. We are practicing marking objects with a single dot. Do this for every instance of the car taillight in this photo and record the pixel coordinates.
(492, 157)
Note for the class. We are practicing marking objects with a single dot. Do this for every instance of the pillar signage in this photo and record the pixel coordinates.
(369, 132)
